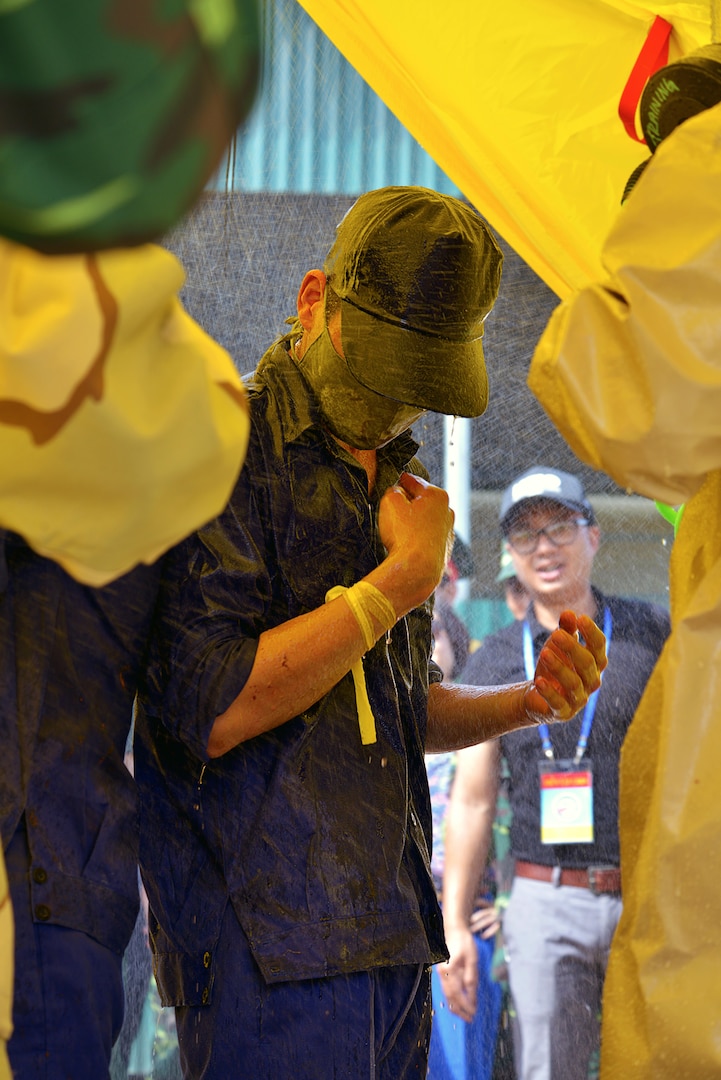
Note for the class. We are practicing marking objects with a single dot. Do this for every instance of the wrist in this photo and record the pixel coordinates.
(456, 926)
(401, 584)
(531, 716)
(455, 920)
(372, 609)
(509, 710)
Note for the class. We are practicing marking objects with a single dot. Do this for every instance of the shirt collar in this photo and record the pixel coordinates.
(538, 631)
(297, 410)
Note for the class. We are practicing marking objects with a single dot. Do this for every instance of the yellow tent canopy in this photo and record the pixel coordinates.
(518, 103)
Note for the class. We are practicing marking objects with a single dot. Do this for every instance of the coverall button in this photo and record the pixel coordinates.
(42, 912)
(40, 876)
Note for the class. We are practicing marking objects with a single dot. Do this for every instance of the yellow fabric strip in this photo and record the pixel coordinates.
(365, 601)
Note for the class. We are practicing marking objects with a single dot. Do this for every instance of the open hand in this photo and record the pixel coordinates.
(485, 920)
(459, 976)
(568, 670)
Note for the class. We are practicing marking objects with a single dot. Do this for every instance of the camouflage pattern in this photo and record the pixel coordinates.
(115, 113)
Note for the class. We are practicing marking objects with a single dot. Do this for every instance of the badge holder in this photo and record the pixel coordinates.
(566, 801)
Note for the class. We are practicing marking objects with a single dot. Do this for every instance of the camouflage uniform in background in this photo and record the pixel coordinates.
(114, 114)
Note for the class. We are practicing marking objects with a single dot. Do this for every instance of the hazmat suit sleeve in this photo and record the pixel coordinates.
(122, 423)
(630, 372)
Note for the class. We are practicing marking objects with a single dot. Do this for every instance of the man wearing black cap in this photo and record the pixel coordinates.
(285, 811)
(566, 896)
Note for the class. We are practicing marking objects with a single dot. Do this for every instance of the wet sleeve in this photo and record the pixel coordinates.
(217, 600)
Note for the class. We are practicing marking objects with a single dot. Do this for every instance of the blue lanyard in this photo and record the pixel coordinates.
(590, 710)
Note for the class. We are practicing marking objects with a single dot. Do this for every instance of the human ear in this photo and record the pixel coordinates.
(310, 295)
(594, 537)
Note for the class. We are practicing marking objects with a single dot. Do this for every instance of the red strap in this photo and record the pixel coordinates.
(653, 55)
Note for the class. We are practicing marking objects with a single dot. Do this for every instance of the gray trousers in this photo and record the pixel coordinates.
(557, 943)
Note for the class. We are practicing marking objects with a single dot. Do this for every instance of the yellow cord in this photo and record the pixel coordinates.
(365, 601)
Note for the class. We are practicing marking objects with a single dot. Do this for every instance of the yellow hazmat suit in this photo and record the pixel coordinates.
(630, 372)
(123, 425)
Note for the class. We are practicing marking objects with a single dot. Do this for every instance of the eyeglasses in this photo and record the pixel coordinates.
(560, 533)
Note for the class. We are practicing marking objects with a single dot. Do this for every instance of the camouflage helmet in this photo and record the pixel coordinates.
(115, 113)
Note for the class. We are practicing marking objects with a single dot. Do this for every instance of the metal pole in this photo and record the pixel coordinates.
(457, 480)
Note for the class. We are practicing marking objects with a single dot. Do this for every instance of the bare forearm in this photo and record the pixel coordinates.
(295, 664)
(469, 829)
(301, 660)
(461, 716)
(568, 671)
(468, 839)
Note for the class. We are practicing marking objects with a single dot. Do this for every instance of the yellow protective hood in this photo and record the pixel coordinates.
(122, 424)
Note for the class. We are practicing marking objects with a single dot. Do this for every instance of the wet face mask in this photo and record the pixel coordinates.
(356, 415)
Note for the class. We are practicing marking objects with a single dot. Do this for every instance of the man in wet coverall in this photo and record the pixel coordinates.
(285, 817)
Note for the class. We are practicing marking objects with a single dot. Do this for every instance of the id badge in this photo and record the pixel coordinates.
(566, 802)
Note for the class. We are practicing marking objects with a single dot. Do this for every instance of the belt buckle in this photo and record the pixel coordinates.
(592, 883)
(595, 877)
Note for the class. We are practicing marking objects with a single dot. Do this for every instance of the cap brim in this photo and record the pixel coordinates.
(418, 369)
(570, 504)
